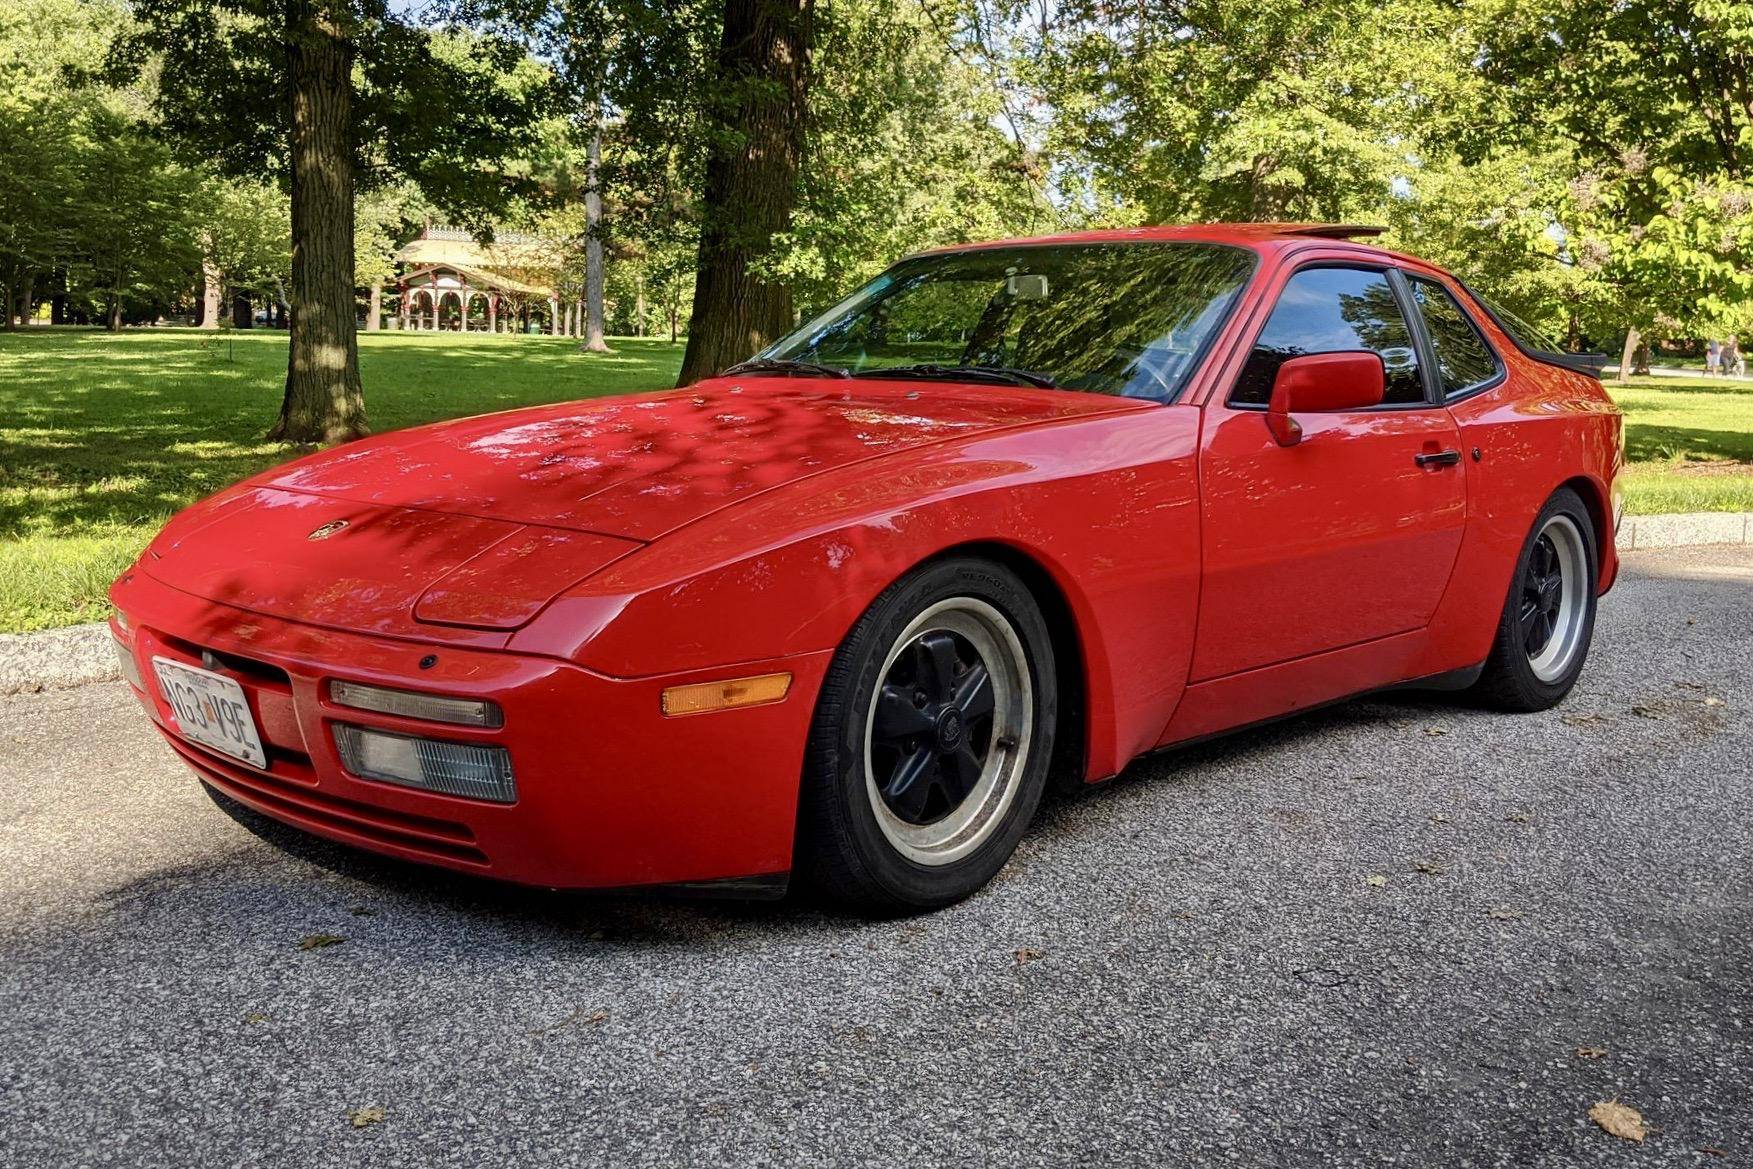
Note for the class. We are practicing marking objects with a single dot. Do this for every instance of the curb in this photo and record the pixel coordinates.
(60, 658)
(56, 658)
(1640, 533)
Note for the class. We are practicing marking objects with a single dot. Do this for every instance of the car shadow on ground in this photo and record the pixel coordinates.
(660, 914)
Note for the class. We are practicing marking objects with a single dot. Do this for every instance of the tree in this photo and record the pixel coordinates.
(905, 149)
(1173, 110)
(755, 123)
(341, 94)
(1654, 100)
(46, 46)
(136, 234)
(384, 219)
(245, 237)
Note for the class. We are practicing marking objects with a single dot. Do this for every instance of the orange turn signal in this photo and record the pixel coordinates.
(704, 697)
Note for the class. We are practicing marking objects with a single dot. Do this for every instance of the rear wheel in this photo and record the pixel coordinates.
(931, 741)
(1548, 620)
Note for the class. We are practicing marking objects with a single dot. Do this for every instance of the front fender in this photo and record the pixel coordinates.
(1107, 507)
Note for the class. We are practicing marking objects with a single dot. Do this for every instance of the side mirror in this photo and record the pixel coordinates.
(1322, 383)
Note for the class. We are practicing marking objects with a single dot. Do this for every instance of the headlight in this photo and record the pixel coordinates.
(465, 712)
(470, 770)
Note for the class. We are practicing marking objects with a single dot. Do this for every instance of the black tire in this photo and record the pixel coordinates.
(847, 849)
(1512, 679)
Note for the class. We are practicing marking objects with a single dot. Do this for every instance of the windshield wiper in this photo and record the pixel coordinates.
(785, 365)
(998, 373)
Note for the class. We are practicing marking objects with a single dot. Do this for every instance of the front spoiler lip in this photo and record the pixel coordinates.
(623, 798)
(755, 887)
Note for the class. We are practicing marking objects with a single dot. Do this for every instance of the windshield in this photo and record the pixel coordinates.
(1128, 319)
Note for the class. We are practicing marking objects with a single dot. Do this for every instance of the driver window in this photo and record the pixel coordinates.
(1333, 310)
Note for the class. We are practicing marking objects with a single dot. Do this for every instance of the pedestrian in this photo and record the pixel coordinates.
(1731, 358)
(1713, 356)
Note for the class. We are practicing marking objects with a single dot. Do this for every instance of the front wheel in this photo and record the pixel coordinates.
(931, 741)
(1548, 620)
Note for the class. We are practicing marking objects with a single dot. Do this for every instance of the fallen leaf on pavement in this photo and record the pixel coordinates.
(1026, 955)
(361, 910)
(1648, 711)
(1621, 1120)
(1429, 868)
(1436, 732)
(1583, 720)
(255, 1017)
(593, 1018)
(319, 941)
(370, 1114)
(1375, 880)
(1712, 1151)
(1712, 700)
(1518, 817)
(1501, 914)
(1590, 1052)
(1439, 818)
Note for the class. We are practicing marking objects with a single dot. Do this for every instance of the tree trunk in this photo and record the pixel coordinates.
(114, 315)
(751, 182)
(211, 295)
(1626, 354)
(10, 293)
(593, 253)
(27, 307)
(374, 308)
(324, 400)
(639, 303)
(1640, 361)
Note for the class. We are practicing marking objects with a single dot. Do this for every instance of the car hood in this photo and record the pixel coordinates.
(478, 524)
(637, 467)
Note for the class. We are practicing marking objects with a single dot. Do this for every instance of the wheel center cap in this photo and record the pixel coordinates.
(950, 730)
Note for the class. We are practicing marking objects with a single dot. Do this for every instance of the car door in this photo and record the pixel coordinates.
(1350, 534)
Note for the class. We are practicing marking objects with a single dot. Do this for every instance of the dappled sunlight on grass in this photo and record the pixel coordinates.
(104, 436)
(1690, 443)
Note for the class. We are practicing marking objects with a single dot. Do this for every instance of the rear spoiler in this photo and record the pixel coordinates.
(1333, 230)
(1593, 364)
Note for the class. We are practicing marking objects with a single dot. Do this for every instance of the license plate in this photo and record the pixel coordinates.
(210, 709)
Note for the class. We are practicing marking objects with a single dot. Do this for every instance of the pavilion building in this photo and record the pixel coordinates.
(450, 281)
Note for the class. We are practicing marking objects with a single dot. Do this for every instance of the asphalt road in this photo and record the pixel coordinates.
(1190, 965)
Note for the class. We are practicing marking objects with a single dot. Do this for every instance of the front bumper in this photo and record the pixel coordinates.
(610, 793)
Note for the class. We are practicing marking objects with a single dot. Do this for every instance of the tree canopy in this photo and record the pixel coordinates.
(1588, 161)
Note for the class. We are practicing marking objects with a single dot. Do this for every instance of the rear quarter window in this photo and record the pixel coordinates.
(1464, 360)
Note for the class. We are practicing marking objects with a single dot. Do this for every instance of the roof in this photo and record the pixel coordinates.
(480, 278)
(531, 257)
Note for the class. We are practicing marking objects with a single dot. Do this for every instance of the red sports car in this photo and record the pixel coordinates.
(1011, 510)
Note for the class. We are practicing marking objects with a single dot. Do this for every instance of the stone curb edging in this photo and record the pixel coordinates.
(74, 656)
(56, 658)
(1639, 533)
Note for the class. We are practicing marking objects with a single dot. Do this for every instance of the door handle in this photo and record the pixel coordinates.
(1437, 458)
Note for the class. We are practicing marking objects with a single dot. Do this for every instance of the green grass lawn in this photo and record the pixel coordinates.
(1689, 442)
(102, 437)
